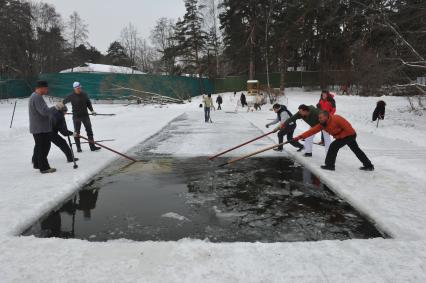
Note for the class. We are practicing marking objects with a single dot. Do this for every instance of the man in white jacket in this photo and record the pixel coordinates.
(208, 104)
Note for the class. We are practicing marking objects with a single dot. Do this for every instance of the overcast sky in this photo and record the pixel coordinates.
(106, 18)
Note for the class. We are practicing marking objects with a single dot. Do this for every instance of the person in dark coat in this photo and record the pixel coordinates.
(243, 100)
(59, 125)
(40, 127)
(282, 115)
(219, 102)
(80, 103)
(380, 111)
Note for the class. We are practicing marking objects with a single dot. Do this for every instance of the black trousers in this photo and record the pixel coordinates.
(87, 125)
(41, 151)
(289, 131)
(57, 140)
(350, 141)
(219, 107)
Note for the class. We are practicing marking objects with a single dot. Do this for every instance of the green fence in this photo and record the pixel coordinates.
(110, 86)
(292, 79)
(114, 86)
(14, 88)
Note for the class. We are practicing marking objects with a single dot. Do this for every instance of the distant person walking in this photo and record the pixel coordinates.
(40, 127)
(219, 102)
(282, 115)
(243, 100)
(59, 125)
(259, 101)
(343, 133)
(80, 103)
(208, 104)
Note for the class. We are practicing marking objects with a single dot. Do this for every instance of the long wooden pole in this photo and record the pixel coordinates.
(252, 154)
(107, 148)
(241, 145)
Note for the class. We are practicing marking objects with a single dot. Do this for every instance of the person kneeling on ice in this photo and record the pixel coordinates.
(309, 114)
(343, 133)
(282, 115)
(59, 125)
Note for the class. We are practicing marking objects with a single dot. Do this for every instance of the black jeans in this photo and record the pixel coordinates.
(87, 125)
(350, 141)
(289, 131)
(57, 140)
(41, 151)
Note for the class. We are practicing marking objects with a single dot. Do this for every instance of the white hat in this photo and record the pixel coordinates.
(76, 85)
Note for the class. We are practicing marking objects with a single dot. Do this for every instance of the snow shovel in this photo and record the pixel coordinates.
(241, 145)
(232, 161)
(107, 148)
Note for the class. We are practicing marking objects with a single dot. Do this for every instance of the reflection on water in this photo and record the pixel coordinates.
(260, 199)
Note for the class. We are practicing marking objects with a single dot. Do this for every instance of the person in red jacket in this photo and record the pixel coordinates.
(344, 134)
(327, 102)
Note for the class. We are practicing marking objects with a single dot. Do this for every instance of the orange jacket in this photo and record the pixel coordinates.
(337, 126)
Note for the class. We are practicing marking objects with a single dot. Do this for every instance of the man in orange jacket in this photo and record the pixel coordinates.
(344, 134)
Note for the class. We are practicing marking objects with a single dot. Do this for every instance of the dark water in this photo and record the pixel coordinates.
(260, 199)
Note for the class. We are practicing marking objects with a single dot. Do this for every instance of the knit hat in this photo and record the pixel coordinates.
(76, 85)
(41, 84)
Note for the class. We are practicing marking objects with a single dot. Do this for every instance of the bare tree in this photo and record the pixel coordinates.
(129, 40)
(77, 31)
(145, 56)
(210, 11)
(162, 38)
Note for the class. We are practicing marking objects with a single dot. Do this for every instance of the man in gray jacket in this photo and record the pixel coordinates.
(80, 102)
(40, 127)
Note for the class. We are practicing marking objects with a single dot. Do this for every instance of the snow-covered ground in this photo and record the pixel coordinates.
(393, 196)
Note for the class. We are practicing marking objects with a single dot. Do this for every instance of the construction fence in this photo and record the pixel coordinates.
(122, 86)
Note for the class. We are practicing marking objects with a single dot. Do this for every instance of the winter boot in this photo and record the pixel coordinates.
(367, 168)
(307, 155)
(48, 171)
(94, 147)
(327, 167)
(278, 149)
(70, 160)
(300, 149)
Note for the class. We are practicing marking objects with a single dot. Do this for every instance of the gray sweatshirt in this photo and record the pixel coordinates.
(39, 114)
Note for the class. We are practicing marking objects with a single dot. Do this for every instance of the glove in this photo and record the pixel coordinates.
(94, 113)
(267, 126)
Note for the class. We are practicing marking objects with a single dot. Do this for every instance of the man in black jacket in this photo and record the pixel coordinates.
(80, 103)
(282, 115)
(219, 101)
(59, 125)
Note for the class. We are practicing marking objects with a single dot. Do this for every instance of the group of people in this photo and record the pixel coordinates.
(321, 119)
(46, 123)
